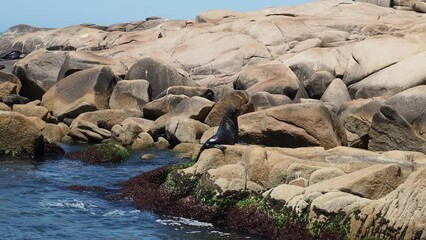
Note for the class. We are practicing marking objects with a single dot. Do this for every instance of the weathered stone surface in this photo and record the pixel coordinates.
(143, 141)
(129, 129)
(9, 84)
(162, 143)
(409, 103)
(297, 125)
(318, 83)
(19, 135)
(159, 76)
(78, 60)
(182, 129)
(130, 94)
(237, 99)
(31, 111)
(161, 106)
(38, 72)
(4, 107)
(390, 131)
(336, 93)
(53, 133)
(265, 100)
(84, 91)
(96, 126)
(325, 174)
(195, 108)
(189, 91)
(272, 78)
(286, 192)
(373, 182)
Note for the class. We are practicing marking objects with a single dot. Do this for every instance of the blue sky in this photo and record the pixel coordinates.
(60, 13)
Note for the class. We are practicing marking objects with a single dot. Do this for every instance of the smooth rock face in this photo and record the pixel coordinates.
(390, 131)
(373, 182)
(336, 93)
(409, 103)
(130, 94)
(325, 174)
(161, 106)
(184, 130)
(31, 111)
(272, 78)
(264, 100)
(236, 99)
(38, 72)
(159, 76)
(86, 90)
(9, 84)
(19, 136)
(294, 125)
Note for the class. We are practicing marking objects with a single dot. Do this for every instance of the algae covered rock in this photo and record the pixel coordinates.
(101, 153)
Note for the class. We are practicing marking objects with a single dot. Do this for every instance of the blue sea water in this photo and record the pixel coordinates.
(35, 204)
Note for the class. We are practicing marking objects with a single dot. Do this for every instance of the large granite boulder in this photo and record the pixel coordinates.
(391, 131)
(182, 129)
(159, 75)
(409, 103)
(161, 106)
(293, 125)
(264, 100)
(84, 91)
(130, 94)
(272, 78)
(336, 93)
(78, 60)
(19, 135)
(38, 72)
(9, 84)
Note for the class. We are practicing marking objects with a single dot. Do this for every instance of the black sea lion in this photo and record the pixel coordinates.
(227, 133)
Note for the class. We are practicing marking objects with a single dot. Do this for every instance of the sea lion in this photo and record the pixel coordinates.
(2, 67)
(227, 133)
(12, 55)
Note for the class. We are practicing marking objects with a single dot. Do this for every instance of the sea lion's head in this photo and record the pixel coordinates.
(232, 112)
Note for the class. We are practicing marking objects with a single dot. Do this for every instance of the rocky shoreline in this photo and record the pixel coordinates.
(332, 120)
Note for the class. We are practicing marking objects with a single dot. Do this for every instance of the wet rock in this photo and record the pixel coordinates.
(84, 91)
(147, 156)
(19, 135)
(101, 153)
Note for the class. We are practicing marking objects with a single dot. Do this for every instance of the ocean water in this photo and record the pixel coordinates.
(35, 204)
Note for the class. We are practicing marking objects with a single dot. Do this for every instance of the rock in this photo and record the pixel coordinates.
(184, 130)
(53, 133)
(9, 84)
(409, 103)
(129, 129)
(318, 83)
(147, 156)
(38, 72)
(189, 91)
(159, 76)
(297, 125)
(228, 172)
(403, 208)
(96, 126)
(12, 99)
(307, 44)
(387, 82)
(195, 108)
(285, 192)
(84, 91)
(4, 107)
(143, 141)
(272, 78)
(390, 131)
(336, 93)
(215, 16)
(301, 182)
(101, 153)
(419, 7)
(264, 100)
(300, 170)
(31, 111)
(373, 182)
(162, 143)
(19, 136)
(236, 99)
(323, 174)
(77, 60)
(161, 106)
(130, 94)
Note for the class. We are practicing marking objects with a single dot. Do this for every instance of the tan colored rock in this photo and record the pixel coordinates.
(4, 107)
(130, 94)
(336, 93)
(293, 125)
(301, 182)
(323, 174)
(409, 103)
(264, 100)
(53, 133)
(19, 135)
(373, 182)
(300, 170)
(143, 141)
(285, 192)
(31, 111)
(184, 130)
(9, 84)
(84, 91)
(161, 106)
(307, 44)
(189, 91)
(129, 129)
(161, 143)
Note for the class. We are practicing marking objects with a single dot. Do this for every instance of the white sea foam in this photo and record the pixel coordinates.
(117, 212)
(178, 221)
(74, 204)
